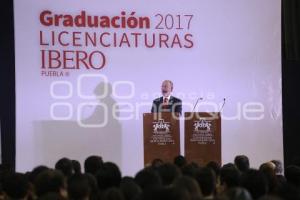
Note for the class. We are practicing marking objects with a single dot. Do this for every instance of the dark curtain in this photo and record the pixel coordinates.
(291, 80)
(7, 84)
(291, 29)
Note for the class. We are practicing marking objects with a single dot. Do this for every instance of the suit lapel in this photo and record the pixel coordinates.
(171, 100)
(161, 100)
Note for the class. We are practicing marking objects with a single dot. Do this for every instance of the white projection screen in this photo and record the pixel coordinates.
(86, 71)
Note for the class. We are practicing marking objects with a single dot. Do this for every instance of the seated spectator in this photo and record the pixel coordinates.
(292, 175)
(190, 170)
(255, 182)
(52, 196)
(161, 181)
(108, 176)
(270, 197)
(129, 188)
(190, 185)
(215, 167)
(278, 167)
(229, 177)
(79, 187)
(94, 195)
(235, 193)
(112, 194)
(279, 172)
(268, 169)
(206, 179)
(16, 186)
(92, 164)
(50, 181)
(168, 173)
(65, 166)
(148, 178)
(76, 167)
(180, 161)
(288, 192)
(32, 178)
(36, 171)
(165, 193)
(156, 163)
(242, 163)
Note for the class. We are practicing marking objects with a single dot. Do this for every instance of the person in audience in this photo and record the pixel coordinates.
(206, 179)
(180, 161)
(229, 177)
(242, 163)
(190, 170)
(156, 163)
(32, 178)
(165, 193)
(215, 167)
(129, 188)
(279, 172)
(16, 186)
(190, 185)
(112, 193)
(292, 175)
(51, 181)
(148, 178)
(92, 164)
(235, 193)
(108, 176)
(79, 187)
(52, 196)
(36, 171)
(268, 169)
(255, 182)
(288, 192)
(2, 195)
(270, 197)
(160, 181)
(65, 166)
(94, 195)
(168, 173)
(278, 167)
(76, 167)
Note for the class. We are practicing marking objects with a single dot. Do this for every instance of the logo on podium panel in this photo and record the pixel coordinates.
(203, 132)
(202, 125)
(161, 126)
(161, 133)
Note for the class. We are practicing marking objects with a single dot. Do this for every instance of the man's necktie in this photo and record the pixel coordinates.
(165, 103)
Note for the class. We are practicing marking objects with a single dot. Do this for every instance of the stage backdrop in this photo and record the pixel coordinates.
(86, 71)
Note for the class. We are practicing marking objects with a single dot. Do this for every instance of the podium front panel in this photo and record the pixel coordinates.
(202, 137)
(161, 136)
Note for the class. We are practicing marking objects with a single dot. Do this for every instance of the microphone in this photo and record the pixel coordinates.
(224, 100)
(200, 98)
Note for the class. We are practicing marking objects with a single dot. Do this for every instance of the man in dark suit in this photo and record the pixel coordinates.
(167, 103)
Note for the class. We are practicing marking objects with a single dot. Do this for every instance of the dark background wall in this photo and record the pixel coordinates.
(7, 83)
(290, 80)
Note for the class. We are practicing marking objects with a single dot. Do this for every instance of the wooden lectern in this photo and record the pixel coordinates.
(202, 137)
(161, 136)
